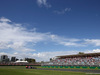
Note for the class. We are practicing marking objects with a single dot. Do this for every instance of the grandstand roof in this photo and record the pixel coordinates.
(79, 55)
(21, 62)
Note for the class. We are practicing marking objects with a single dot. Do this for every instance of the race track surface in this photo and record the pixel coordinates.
(74, 70)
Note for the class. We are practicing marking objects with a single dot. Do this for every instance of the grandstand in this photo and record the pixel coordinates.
(90, 59)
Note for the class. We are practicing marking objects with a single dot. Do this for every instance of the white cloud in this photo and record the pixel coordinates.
(43, 3)
(66, 41)
(92, 51)
(17, 38)
(45, 56)
(95, 42)
(62, 11)
(96, 50)
(41, 56)
(67, 9)
(3, 19)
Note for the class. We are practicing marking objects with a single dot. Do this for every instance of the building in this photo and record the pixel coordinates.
(13, 59)
(4, 58)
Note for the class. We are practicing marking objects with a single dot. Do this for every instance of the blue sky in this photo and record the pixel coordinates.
(43, 29)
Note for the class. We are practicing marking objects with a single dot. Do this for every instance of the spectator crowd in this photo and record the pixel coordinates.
(88, 61)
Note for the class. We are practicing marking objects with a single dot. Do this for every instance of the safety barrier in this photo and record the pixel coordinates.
(73, 67)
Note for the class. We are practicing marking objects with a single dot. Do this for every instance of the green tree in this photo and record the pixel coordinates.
(30, 60)
(81, 53)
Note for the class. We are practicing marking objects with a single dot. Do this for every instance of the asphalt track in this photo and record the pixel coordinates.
(74, 70)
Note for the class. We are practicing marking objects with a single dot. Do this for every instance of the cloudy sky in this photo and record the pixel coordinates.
(43, 29)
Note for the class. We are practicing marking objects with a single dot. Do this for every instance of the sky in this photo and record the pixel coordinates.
(43, 29)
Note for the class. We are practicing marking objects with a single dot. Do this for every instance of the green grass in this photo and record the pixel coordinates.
(20, 70)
